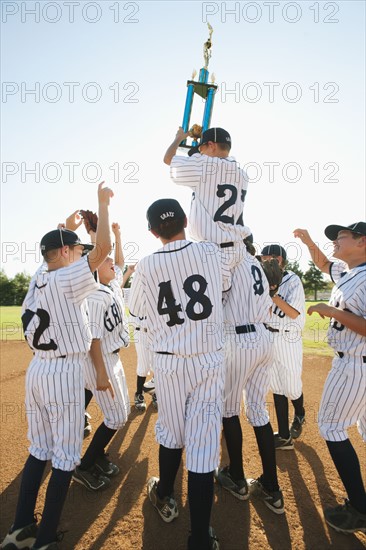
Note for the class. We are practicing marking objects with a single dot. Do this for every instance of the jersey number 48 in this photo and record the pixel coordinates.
(172, 309)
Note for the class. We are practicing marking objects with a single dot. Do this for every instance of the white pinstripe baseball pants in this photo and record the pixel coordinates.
(247, 373)
(55, 409)
(189, 392)
(286, 370)
(343, 402)
(115, 410)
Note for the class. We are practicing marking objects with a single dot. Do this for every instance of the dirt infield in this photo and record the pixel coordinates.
(122, 517)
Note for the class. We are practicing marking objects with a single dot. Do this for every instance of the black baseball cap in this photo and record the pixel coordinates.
(274, 250)
(164, 209)
(59, 238)
(217, 135)
(332, 230)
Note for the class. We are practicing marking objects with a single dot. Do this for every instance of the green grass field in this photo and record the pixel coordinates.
(314, 334)
(10, 323)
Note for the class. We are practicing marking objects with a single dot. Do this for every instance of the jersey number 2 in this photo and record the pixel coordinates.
(44, 323)
(221, 192)
(196, 297)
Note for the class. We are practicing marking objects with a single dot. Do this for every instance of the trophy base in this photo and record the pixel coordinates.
(200, 88)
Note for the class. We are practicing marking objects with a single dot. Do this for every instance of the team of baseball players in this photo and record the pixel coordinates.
(213, 337)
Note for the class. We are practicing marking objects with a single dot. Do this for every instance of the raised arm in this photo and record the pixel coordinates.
(73, 221)
(172, 149)
(119, 259)
(318, 257)
(130, 269)
(103, 244)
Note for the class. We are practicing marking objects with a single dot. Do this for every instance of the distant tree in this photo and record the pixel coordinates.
(12, 291)
(295, 267)
(313, 280)
(20, 285)
(6, 297)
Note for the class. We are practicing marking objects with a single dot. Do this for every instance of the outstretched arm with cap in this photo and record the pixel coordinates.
(318, 257)
(172, 149)
(103, 243)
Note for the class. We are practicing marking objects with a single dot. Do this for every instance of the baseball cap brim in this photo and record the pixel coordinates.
(87, 248)
(331, 232)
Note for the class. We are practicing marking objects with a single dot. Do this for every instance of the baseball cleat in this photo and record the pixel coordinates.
(214, 541)
(87, 425)
(105, 466)
(282, 444)
(345, 519)
(296, 426)
(91, 479)
(20, 538)
(272, 499)
(238, 489)
(167, 507)
(140, 404)
(149, 386)
(154, 401)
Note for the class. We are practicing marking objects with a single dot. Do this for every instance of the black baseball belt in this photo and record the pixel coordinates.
(229, 243)
(244, 329)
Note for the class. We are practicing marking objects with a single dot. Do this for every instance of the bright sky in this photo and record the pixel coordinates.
(95, 91)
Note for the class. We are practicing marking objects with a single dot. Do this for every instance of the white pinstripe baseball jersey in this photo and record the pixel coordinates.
(336, 269)
(292, 291)
(247, 354)
(126, 295)
(219, 187)
(107, 317)
(108, 324)
(248, 300)
(286, 369)
(54, 311)
(56, 326)
(349, 294)
(178, 288)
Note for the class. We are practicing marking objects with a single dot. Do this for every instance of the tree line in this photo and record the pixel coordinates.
(13, 290)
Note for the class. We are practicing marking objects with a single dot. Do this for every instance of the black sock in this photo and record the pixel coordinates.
(101, 438)
(88, 397)
(265, 441)
(29, 487)
(281, 406)
(169, 462)
(348, 466)
(234, 443)
(54, 503)
(140, 382)
(299, 405)
(200, 497)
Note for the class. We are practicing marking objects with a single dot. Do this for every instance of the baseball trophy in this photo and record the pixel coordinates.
(203, 89)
